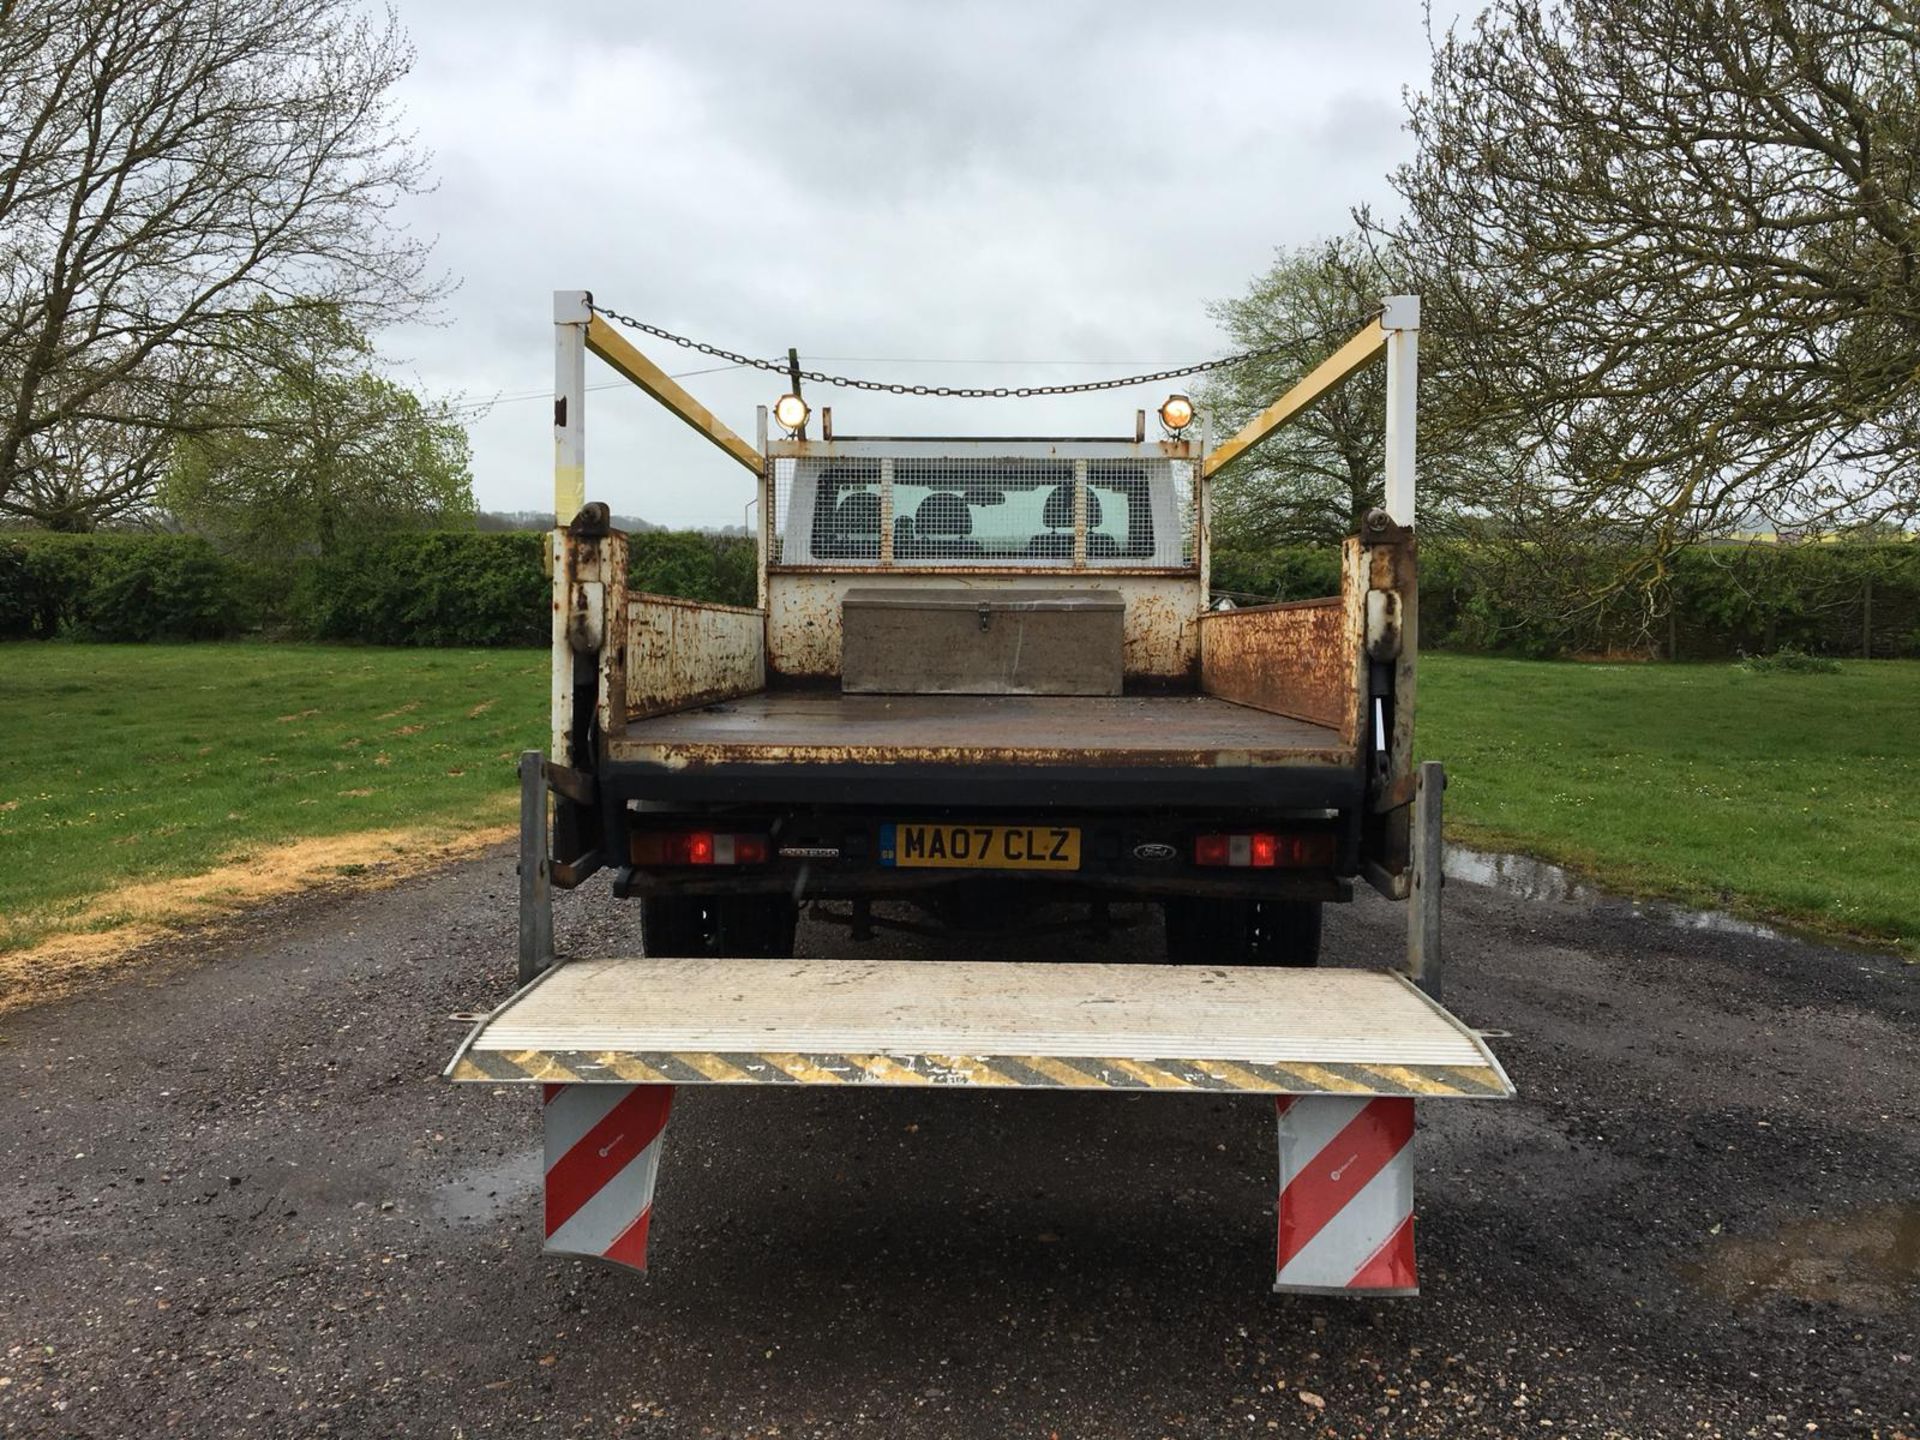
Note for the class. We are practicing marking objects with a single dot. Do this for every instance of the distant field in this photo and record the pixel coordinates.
(1789, 795)
(123, 768)
(123, 765)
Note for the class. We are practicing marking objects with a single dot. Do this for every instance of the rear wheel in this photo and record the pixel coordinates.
(1243, 932)
(755, 925)
(1285, 932)
(675, 925)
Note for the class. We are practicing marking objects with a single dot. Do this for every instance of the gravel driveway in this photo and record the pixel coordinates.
(235, 1199)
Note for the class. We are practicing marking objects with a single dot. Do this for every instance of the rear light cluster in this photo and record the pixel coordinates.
(698, 847)
(1262, 850)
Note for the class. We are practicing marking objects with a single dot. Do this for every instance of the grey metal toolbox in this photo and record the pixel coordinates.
(999, 641)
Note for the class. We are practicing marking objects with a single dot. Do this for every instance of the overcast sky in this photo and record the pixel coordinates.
(906, 190)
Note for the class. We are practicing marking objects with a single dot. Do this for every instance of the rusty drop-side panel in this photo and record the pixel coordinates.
(1295, 659)
(1160, 639)
(682, 653)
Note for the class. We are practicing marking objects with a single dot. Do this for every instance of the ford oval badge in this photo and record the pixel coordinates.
(1154, 850)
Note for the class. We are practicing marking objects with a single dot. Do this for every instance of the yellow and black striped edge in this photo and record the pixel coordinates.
(1007, 1072)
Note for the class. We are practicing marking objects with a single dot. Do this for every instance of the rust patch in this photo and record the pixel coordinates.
(1294, 659)
(681, 653)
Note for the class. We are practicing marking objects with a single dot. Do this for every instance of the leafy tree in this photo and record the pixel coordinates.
(308, 447)
(166, 168)
(1676, 250)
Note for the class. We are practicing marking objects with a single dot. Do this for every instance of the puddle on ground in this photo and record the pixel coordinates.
(1531, 879)
(1867, 1260)
(488, 1191)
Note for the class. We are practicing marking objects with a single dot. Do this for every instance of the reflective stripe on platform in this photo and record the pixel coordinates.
(602, 1155)
(1022, 1072)
(1346, 1195)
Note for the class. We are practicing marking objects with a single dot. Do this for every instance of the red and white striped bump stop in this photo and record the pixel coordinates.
(603, 1152)
(1346, 1195)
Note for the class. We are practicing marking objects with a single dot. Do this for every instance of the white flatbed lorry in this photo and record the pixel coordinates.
(983, 679)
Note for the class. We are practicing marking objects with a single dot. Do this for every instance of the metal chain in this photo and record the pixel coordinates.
(953, 392)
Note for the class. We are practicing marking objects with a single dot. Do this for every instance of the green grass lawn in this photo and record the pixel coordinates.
(1782, 794)
(129, 763)
(1789, 795)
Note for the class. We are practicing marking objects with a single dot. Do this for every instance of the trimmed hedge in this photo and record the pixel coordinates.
(446, 588)
(1719, 602)
(695, 565)
(438, 588)
(121, 587)
(487, 589)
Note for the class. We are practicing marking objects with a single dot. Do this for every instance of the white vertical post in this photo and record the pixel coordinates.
(1401, 321)
(570, 317)
(767, 498)
(1203, 512)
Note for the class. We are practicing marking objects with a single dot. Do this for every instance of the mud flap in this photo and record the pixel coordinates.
(603, 1147)
(1346, 1196)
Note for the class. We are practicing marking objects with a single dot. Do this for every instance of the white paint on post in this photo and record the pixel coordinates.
(1401, 321)
(570, 317)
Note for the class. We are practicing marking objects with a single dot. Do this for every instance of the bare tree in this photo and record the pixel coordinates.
(1676, 249)
(1314, 480)
(167, 166)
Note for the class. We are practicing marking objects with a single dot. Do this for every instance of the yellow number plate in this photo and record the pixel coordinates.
(981, 847)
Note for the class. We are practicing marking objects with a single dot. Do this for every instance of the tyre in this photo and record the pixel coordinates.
(1207, 932)
(1284, 932)
(755, 925)
(1243, 932)
(675, 925)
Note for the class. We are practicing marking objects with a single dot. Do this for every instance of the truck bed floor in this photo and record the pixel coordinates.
(829, 727)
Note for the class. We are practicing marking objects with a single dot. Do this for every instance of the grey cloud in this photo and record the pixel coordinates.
(984, 180)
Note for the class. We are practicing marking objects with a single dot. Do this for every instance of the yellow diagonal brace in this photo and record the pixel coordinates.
(611, 346)
(1357, 352)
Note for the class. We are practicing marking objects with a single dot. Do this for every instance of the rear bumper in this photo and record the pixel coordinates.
(1137, 824)
(827, 880)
